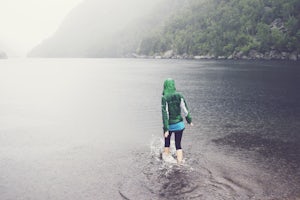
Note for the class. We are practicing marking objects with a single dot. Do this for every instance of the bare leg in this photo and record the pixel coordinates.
(167, 150)
(179, 156)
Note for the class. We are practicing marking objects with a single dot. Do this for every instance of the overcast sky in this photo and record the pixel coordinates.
(25, 23)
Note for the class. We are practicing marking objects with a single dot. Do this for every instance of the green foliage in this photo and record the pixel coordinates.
(222, 27)
(278, 39)
(263, 35)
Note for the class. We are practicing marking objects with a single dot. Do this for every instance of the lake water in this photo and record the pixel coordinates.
(91, 129)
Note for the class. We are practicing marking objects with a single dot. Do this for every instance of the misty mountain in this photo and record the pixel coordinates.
(267, 29)
(6, 51)
(98, 28)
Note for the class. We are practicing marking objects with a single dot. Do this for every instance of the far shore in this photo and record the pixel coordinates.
(252, 55)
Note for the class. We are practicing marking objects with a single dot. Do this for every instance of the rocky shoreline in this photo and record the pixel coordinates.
(252, 55)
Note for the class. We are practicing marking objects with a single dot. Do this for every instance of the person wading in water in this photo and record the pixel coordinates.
(172, 105)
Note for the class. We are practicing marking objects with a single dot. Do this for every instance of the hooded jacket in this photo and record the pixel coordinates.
(172, 104)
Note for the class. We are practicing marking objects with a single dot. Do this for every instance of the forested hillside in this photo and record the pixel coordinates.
(247, 29)
(230, 28)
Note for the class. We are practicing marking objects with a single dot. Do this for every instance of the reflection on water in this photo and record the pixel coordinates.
(81, 128)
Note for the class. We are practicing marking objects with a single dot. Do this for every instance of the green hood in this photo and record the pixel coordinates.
(169, 87)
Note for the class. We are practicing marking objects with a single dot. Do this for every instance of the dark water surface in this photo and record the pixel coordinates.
(91, 129)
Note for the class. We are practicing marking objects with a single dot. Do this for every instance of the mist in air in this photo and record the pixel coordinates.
(68, 28)
(79, 24)
(104, 29)
(81, 89)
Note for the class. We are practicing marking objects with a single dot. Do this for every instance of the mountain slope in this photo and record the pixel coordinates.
(97, 29)
(231, 28)
(221, 28)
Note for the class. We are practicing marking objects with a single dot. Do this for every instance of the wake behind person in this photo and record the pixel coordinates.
(172, 105)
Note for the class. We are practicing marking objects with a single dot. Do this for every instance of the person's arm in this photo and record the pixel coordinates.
(165, 114)
(185, 110)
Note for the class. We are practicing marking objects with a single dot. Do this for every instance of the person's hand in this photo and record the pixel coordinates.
(191, 124)
(166, 134)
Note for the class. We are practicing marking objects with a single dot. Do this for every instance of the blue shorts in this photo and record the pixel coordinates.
(176, 127)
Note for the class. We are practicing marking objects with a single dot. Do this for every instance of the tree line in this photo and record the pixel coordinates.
(223, 27)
